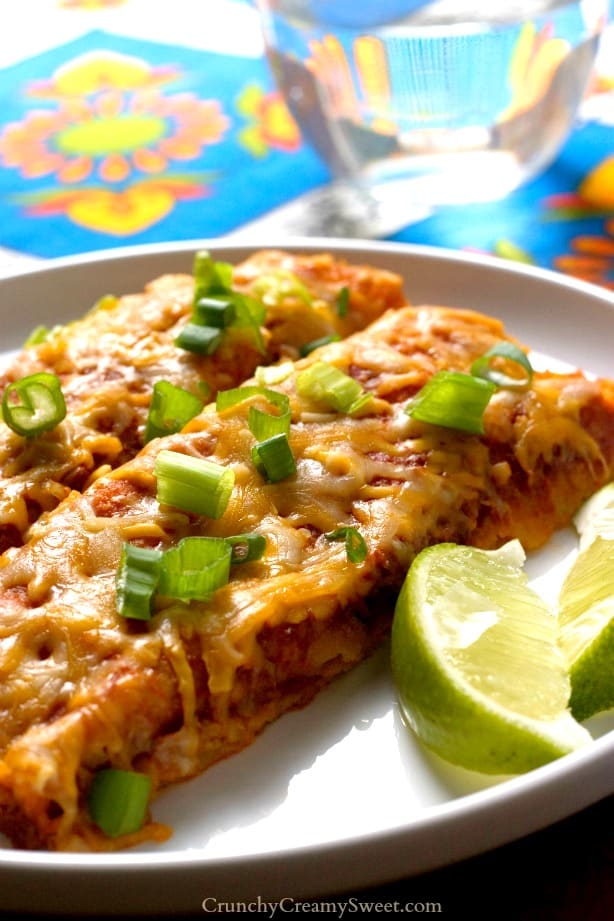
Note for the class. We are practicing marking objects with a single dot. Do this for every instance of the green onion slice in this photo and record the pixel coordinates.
(210, 276)
(265, 425)
(117, 801)
(226, 399)
(484, 368)
(214, 311)
(136, 581)
(42, 334)
(249, 314)
(355, 545)
(454, 400)
(194, 484)
(324, 383)
(274, 459)
(261, 424)
(213, 283)
(316, 343)
(246, 547)
(192, 570)
(273, 374)
(343, 302)
(34, 404)
(195, 568)
(274, 287)
(171, 408)
(39, 334)
(203, 340)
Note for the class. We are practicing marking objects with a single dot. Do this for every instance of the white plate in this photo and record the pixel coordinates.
(338, 795)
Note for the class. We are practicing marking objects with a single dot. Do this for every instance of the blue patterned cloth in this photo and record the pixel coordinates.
(109, 140)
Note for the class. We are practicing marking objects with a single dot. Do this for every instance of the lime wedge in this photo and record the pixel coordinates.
(596, 517)
(475, 660)
(586, 609)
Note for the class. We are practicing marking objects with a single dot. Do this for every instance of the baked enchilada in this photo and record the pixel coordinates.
(108, 361)
(90, 687)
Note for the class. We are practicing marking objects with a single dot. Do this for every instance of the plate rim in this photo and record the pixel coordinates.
(35, 265)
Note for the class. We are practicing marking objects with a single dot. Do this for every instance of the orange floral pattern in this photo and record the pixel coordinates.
(591, 257)
(110, 122)
(592, 254)
(270, 124)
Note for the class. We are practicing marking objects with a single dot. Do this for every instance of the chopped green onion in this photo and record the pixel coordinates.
(203, 340)
(214, 311)
(246, 547)
(327, 384)
(343, 302)
(217, 306)
(203, 269)
(274, 459)
(483, 367)
(210, 276)
(171, 408)
(280, 284)
(454, 400)
(250, 314)
(34, 404)
(193, 483)
(262, 425)
(213, 282)
(136, 581)
(192, 570)
(117, 801)
(273, 374)
(355, 545)
(360, 403)
(316, 343)
(39, 334)
(265, 425)
(195, 568)
(229, 398)
(226, 399)
(272, 456)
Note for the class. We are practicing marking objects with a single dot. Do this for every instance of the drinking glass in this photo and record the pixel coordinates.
(413, 104)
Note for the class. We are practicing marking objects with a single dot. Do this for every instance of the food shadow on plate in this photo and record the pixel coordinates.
(333, 767)
(250, 787)
(444, 778)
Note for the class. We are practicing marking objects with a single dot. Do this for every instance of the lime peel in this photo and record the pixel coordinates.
(596, 517)
(481, 701)
(586, 609)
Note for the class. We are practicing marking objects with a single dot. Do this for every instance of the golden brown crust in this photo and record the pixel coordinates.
(293, 322)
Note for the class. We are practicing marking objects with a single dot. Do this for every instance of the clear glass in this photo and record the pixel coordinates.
(413, 104)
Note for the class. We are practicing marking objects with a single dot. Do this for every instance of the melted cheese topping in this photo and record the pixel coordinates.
(107, 689)
(109, 361)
